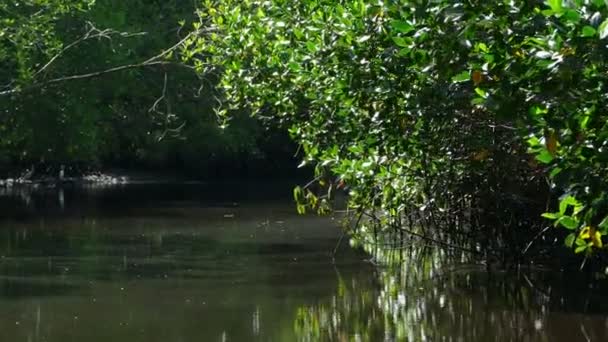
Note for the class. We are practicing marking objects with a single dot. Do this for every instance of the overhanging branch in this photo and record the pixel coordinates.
(95, 33)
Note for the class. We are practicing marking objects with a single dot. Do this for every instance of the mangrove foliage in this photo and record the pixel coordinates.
(456, 122)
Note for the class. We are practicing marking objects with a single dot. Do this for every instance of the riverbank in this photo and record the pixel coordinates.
(94, 178)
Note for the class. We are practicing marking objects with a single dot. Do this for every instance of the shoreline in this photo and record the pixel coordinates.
(93, 178)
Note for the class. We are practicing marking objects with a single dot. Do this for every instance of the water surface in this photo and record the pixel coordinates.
(233, 262)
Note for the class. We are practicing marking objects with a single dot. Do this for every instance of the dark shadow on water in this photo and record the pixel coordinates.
(19, 288)
(149, 198)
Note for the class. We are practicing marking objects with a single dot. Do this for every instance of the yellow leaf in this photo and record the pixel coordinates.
(597, 239)
(551, 143)
(477, 77)
(585, 233)
(589, 233)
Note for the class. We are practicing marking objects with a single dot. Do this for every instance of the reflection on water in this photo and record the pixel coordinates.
(161, 262)
(191, 262)
(421, 300)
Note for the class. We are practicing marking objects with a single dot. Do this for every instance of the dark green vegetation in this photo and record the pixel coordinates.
(456, 122)
(93, 83)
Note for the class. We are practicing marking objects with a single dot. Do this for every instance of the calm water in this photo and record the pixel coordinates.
(193, 262)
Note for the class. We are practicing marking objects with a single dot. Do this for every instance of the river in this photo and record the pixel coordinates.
(181, 262)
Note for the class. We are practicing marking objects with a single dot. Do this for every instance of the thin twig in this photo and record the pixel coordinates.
(162, 97)
(152, 61)
(92, 33)
(534, 239)
(439, 242)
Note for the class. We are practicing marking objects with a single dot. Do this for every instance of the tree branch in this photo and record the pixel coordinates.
(152, 61)
(92, 33)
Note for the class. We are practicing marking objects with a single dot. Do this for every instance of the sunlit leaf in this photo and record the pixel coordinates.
(363, 39)
(552, 216)
(402, 26)
(592, 235)
(566, 202)
(462, 77)
(555, 5)
(588, 31)
(482, 93)
(568, 222)
(544, 157)
(603, 29)
(543, 54)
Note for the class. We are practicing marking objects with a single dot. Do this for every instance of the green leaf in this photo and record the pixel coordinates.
(572, 16)
(599, 3)
(555, 5)
(568, 222)
(294, 66)
(405, 51)
(551, 216)
(301, 209)
(481, 92)
(312, 47)
(567, 201)
(584, 122)
(544, 157)
(538, 112)
(462, 77)
(402, 26)
(297, 193)
(556, 171)
(363, 39)
(481, 47)
(603, 29)
(580, 249)
(588, 31)
(604, 224)
(533, 141)
(478, 101)
(569, 241)
(400, 41)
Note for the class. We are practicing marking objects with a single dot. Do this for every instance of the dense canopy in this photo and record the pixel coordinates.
(492, 111)
(94, 84)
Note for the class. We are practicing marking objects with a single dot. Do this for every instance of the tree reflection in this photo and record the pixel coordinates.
(419, 296)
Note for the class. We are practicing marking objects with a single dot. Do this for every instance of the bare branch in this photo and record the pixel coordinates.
(103, 72)
(152, 61)
(168, 114)
(162, 97)
(92, 33)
